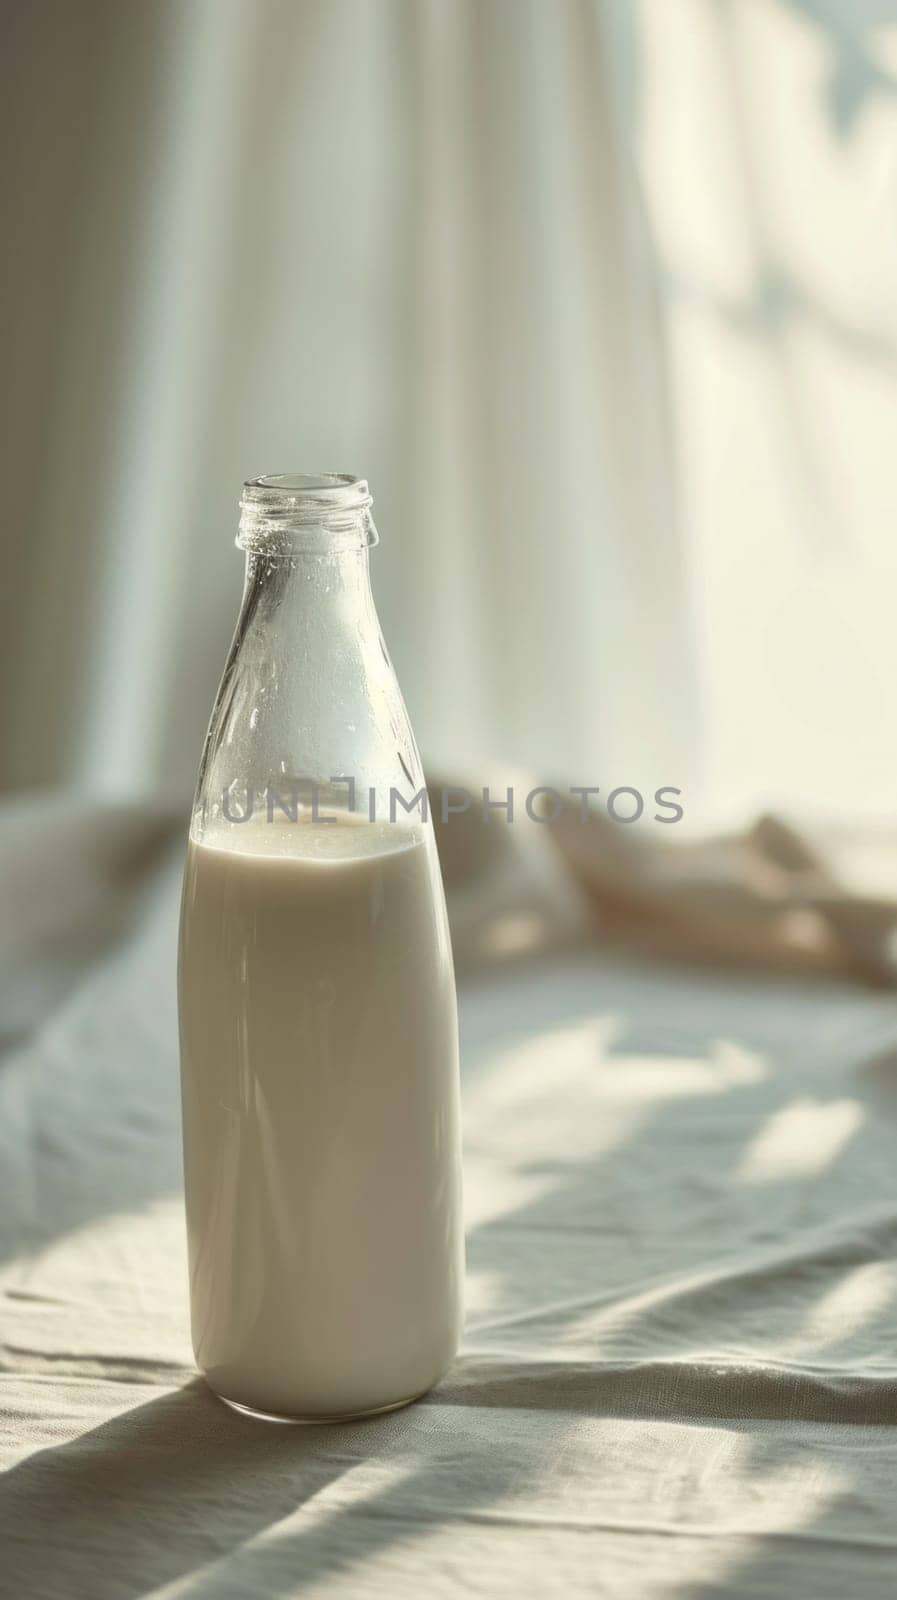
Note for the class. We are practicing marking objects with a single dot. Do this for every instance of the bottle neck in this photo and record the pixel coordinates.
(308, 693)
(310, 597)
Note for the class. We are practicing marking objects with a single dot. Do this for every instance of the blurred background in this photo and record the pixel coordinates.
(599, 296)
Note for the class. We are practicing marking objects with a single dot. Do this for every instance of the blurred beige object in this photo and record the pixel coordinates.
(508, 892)
(787, 898)
(771, 896)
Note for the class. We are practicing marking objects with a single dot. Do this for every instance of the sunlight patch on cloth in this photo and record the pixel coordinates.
(801, 1140)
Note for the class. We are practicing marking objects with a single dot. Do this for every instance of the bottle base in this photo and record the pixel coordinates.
(317, 1421)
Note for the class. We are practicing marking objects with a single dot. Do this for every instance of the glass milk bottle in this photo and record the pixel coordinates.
(319, 1057)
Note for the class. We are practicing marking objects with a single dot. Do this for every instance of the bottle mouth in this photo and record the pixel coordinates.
(283, 513)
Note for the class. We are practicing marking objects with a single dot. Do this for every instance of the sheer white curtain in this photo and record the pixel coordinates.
(599, 296)
(397, 238)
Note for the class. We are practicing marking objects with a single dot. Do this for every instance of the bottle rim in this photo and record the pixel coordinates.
(282, 513)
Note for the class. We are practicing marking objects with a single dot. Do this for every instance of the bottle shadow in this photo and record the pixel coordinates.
(155, 1493)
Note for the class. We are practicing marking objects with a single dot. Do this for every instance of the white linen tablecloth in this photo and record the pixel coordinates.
(679, 1376)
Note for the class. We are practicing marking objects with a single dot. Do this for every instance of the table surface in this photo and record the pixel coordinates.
(678, 1376)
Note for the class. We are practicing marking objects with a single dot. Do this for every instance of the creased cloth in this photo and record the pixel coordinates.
(679, 1373)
